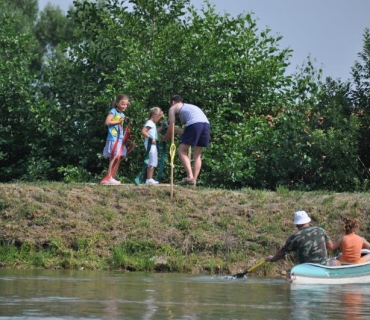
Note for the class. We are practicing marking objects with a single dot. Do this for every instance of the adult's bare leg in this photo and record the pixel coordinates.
(183, 155)
(197, 165)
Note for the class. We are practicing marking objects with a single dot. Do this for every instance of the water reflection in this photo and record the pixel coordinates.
(352, 305)
(113, 295)
(349, 302)
(111, 307)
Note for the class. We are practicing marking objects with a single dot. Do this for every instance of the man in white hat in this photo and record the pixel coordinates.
(309, 242)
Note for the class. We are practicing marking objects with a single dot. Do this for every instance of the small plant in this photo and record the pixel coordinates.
(75, 174)
(144, 223)
(211, 264)
(37, 169)
(282, 190)
(29, 210)
(225, 222)
(241, 231)
(328, 200)
(38, 260)
(183, 224)
(26, 249)
(4, 205)
(119, 257)
(254, 247)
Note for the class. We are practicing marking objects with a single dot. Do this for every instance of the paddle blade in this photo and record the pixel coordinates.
(242, 274)
(239, 275)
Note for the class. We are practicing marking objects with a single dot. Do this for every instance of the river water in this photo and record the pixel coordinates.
(54, 294)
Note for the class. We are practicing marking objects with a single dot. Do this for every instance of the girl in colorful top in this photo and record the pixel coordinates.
(149, 131)
(115, 149)
(351, 244)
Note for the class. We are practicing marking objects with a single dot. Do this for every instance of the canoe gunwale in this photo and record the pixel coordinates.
(312, 273)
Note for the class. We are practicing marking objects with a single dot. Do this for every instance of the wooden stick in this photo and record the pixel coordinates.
(172, 156)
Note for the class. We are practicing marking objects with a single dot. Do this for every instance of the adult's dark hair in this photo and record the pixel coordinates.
(176, 98)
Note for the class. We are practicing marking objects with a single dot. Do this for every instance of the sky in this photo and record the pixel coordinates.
(329, 31)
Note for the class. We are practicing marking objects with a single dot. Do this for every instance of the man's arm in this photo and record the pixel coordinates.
(278, 255)
(172, 118)
(333, 246)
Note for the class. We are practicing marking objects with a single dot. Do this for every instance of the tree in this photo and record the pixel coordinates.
(360, 97)
(23, 13)
(268, 129)
(222, 64)
(51, 29)
(17, 98)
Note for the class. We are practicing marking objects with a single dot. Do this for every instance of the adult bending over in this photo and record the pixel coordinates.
(309, 242)
(195, 134)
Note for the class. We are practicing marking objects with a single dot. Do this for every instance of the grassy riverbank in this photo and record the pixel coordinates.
(139, 228)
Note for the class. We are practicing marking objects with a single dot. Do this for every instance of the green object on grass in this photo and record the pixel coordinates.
(162, 149)
(140, 179)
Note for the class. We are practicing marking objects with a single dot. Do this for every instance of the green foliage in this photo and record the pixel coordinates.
(51, 30)
(22, 12)
(360, 98)
(133, 255)
(8, 252)
(74, 174)
(311, 144)
(269, 130)
(16, 98)
(232, 68)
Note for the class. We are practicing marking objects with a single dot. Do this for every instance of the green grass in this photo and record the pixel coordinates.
(139, 228)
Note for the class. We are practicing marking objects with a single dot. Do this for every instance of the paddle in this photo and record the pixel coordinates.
(242, 274)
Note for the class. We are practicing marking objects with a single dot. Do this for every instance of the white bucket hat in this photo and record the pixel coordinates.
(301, 217)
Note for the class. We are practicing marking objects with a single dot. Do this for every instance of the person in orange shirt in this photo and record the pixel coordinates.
(351, 244)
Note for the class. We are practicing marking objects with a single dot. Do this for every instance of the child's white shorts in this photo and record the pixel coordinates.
(153, 156)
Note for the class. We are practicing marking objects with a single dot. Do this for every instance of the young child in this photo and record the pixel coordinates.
(150, 131)
(114, 147)
(351, 244)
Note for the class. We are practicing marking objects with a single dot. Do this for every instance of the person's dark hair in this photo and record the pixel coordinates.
(350, 225)
(176, 98)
